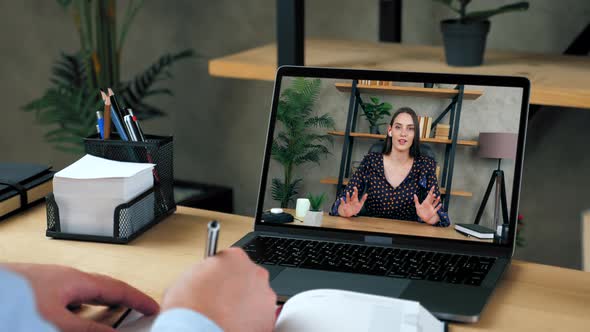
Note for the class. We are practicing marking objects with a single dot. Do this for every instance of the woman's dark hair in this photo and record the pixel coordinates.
(415, 148)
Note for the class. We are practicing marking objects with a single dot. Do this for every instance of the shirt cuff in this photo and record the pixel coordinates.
(444, 219)
(184, 320)
(334, 209)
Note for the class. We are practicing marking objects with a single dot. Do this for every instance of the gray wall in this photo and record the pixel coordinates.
(220, 124)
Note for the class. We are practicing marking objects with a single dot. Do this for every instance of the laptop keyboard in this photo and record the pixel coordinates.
(381, 261)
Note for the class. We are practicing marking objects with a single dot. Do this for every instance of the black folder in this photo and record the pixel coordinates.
(22, 185)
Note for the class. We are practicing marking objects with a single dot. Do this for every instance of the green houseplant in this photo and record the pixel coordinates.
(297, 143)
(374, 112)
(314, 216)
(69, 105)
(465, 37)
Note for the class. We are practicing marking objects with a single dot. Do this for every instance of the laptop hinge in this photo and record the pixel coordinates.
(378, 239)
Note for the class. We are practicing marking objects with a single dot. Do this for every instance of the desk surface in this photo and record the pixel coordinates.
(531, 297)
(392, 226)
(557, 80)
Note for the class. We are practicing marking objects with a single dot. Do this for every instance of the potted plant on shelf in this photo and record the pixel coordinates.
(374, 112)
(465, 37)
(314, 216)
(69, 105)
(297, 144)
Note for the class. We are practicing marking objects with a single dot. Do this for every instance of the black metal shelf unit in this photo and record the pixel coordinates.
(454, 112)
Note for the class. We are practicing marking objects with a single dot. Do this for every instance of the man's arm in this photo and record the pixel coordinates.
(228, 289)
(184, 320)
(56, 288)
(18, 312)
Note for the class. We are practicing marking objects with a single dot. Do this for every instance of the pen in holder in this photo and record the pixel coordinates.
(135, 217)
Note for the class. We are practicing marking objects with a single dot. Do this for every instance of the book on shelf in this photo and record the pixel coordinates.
(21, 185)
(420, 126)
(442, 131)
(425, 122)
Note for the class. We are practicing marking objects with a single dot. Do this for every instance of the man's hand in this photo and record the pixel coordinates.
(351, 206)
(229, 289)
(57, 287)
(427, 210)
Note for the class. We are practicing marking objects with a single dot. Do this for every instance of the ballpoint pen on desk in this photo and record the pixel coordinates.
(212, 236)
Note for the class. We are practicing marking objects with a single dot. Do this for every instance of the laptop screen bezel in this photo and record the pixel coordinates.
(506, 249)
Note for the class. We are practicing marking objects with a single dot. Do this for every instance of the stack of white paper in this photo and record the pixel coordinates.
(88, 191)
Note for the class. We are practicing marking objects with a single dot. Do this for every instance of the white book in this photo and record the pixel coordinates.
(331, 310)
(88, 191)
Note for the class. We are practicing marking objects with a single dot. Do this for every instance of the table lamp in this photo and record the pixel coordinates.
(496, 146)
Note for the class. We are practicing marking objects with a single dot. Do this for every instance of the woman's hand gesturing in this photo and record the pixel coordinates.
(427, 210)
(351, 206)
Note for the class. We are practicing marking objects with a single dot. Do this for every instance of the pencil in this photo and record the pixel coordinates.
(107, 115)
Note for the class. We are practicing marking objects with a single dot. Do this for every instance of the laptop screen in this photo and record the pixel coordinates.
(396, 154)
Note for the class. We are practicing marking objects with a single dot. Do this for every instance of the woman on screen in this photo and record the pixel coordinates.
(398, 183)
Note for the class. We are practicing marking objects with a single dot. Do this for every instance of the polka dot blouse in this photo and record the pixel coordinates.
(385, 201)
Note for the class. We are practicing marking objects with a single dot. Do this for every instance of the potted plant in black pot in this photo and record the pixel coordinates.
(465, 37)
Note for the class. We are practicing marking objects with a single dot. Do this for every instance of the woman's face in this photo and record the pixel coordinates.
(402, 132)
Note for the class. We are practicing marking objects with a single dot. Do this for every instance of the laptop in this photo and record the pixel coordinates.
(320, 139)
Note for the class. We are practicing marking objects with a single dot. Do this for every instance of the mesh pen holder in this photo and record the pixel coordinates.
(135, 217)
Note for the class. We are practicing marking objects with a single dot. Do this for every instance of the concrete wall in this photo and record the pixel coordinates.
(220, 124)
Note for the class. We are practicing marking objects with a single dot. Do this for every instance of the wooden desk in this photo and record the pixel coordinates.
(531, 297)
(393, 226)
(557, 80)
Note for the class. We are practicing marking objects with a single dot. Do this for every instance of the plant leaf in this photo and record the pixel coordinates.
(71, 114)
(133, 92)
(485, 14)
(449, 3)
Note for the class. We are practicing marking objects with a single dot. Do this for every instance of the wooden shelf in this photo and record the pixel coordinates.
(410, 91)
(422, 140)
(334, 180)
(557, 80)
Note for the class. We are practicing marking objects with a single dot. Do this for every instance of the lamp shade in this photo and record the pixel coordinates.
(497, 145)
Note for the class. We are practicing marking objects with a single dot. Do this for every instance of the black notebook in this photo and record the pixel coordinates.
(21, 185)
(474, 230)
